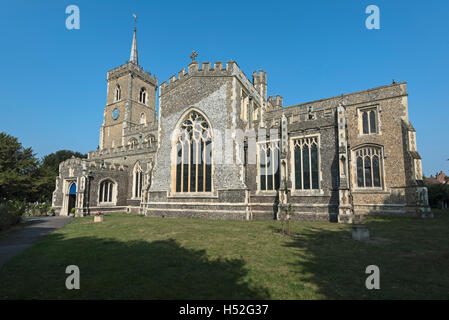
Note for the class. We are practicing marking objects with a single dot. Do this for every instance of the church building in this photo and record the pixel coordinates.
(220, 148)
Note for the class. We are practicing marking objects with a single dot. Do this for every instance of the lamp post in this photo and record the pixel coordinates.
(90, 176)
(245, 158)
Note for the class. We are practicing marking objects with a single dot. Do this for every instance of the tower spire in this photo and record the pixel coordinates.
(134, 57)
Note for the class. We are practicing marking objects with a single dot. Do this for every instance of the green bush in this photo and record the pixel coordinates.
(11, 213)
(438, 193)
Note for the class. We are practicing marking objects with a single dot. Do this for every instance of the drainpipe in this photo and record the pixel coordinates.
(250, 111)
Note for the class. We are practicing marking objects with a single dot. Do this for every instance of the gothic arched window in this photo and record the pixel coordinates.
(132, 142)
(143, 96)
(369, 167)
(306, 163)
(137, 181)
(269, 170)
(118, 93)
(194, 155)
(106, 191)
(149, 139)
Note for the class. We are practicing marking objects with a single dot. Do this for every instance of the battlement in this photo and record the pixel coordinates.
(207, 69)
(131, 67)
(122, 151)
(326, 108)
(140, 128)
(276, 102)
(365, 96)
(72, 162)
(217, 69)
(104, 165)
(259, 77)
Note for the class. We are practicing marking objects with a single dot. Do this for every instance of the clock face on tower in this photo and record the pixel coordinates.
(115, 114)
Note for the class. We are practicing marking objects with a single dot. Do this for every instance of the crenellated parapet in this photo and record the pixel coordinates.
(317, 110)
(194, 69)
(140, 128)
(274, 103)
(133, 68)
(107, 166)
(207, 69)
(260, 82)
(72, 162)
(122, 151)
(259, 77)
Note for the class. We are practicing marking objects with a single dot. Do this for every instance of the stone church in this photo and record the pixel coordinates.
(219, 148)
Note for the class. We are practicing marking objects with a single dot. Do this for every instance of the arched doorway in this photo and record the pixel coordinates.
(72, 198)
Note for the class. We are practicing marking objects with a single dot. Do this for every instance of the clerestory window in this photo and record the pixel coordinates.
(369, 121)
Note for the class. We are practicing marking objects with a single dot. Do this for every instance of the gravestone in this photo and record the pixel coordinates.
(360, 233)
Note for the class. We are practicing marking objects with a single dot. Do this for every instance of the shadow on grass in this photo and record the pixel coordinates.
(111, 269)
(412, 254)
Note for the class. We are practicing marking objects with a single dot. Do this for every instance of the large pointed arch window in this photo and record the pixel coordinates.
(137, 181)
(369, 162)
(194, 155)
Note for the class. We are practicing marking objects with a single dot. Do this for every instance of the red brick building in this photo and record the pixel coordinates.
(440, 178)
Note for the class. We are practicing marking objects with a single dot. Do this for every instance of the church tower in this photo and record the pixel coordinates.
(131, 100)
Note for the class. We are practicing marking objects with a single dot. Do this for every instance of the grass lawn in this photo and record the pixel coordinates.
(136, 257)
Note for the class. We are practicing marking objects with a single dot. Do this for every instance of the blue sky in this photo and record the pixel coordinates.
(53, 80)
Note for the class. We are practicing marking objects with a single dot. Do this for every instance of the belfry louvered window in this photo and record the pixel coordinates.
(118, 93)
(194, 155)
(368, 162)
(143, 96)
(269, 170)
(306, 163)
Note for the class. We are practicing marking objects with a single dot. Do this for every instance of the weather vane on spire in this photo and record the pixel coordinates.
(135, 21)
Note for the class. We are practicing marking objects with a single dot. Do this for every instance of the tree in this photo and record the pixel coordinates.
(49, 170)
(53, 160)
(18, 167)
(23, 176)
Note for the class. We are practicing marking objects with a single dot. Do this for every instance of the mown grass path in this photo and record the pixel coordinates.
(134, 257)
